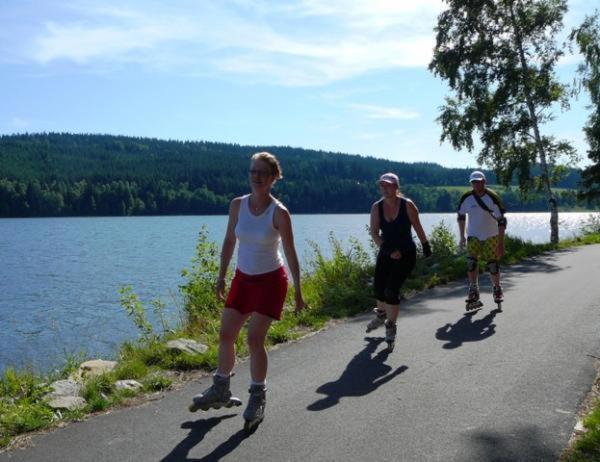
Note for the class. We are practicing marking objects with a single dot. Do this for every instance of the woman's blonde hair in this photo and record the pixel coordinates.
(272, 161)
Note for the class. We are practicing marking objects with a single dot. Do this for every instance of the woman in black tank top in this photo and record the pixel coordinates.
(392, 220)
(396, 234)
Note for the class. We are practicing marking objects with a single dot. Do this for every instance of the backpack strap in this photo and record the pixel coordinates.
(484, 207)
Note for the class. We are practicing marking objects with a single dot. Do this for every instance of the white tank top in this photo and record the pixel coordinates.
(258, 250)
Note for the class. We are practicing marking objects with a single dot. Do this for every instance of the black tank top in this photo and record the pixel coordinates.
(396, 234)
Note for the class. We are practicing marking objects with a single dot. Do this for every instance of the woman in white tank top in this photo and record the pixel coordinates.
(259, 222)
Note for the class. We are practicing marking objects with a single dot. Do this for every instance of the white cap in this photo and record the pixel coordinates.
(477, 176)
(391, 178)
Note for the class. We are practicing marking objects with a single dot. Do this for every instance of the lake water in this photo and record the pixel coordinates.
(60, 277)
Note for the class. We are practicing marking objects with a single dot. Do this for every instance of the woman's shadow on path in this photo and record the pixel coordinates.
(363, 374)
(198, 430)
(467, 330)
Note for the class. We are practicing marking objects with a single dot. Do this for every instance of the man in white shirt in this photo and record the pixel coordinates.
(485, 235)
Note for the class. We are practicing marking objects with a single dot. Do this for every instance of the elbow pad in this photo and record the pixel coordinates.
(502, 221)
(461, 217)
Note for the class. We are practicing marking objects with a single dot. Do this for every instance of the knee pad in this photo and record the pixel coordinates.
(471, 264)
(493, 267)
(391, 297)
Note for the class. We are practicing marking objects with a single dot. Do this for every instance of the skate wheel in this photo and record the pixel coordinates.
(195, 407)
(233, 402)
(251, 426)
(205, 407)
(473, 307)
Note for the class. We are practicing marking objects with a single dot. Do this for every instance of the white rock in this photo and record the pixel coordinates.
(128, 385)
(95, 367)
(186, 345)
(67, 402)
(67, 387)
(579, 428)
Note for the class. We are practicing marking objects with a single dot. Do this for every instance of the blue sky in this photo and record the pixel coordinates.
(339, 75)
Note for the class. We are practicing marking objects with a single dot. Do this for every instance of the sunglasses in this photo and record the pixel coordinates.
(257, 172)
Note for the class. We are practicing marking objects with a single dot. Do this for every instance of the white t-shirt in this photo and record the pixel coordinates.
(480, 223)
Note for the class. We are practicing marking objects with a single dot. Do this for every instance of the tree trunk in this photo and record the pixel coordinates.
(552, 204)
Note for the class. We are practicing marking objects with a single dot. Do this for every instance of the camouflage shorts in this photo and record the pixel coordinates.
(482, 250)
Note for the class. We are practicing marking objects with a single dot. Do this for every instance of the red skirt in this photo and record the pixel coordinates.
(258, 293)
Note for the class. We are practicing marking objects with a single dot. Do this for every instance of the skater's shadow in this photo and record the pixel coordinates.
(225, 448)
(363, 374)
(467, 330)
(198, 430)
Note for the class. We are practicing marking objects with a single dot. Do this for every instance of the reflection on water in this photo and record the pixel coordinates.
(59, 277)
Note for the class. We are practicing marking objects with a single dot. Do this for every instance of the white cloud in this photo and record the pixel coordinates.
(120, 33)
(384, 112)
(301, 42)
(376, 15)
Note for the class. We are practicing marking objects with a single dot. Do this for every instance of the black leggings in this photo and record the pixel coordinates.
(390, 274)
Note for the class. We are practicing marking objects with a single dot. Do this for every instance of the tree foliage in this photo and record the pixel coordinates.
(498, 58)
(587, 38)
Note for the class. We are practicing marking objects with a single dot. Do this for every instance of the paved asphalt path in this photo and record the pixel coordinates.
(493, 386)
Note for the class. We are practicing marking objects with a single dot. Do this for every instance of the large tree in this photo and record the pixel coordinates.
(587, 38)
(498, 58)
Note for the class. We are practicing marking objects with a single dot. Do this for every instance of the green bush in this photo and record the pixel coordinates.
(200, 300)
(156, 382)
(21, 385)
(130, 368)
(24, 416)
(587, 446)
(101, 385)
(591, 225)
(443, 243)
(135, 310)
(339, 286)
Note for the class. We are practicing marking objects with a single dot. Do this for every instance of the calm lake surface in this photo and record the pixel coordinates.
(60, 277)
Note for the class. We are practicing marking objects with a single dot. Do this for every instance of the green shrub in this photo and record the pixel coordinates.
(101, 385)
(156, 382)
(339, 286)
(24, 416)
(587, 446)
(199, 299)
(21, 385)
(135, 310)
(591, 224)
(443, 243)
(130, 368)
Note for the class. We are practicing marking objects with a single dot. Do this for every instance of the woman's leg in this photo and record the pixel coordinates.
(380, 281)
(398, 273)
(392, 312)
(257, 333)
(231, 323)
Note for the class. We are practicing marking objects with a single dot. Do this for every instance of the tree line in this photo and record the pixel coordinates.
(60, 174)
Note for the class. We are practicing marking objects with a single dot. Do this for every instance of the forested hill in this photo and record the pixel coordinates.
(67, 174)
